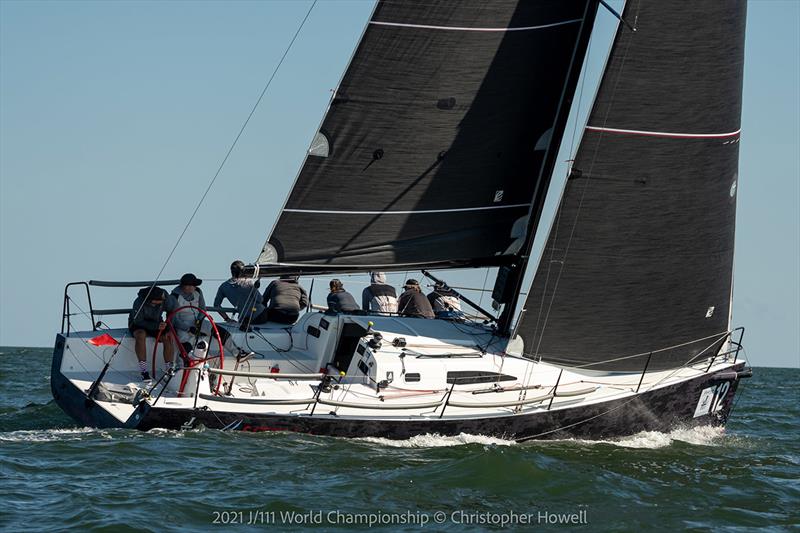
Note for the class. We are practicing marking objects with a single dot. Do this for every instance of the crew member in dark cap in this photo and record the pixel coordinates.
(146, 319)
(445, 302)
(242, 292)
(413, 303)
(186, 320)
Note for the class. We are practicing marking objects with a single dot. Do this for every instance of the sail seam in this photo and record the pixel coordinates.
(462, 28)
(423, 211)
(668, 134)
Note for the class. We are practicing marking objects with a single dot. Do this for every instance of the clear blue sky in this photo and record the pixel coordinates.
(115, 115)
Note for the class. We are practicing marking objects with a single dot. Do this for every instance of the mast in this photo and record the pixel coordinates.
(509, 282)
(639, 259)
(425, 156)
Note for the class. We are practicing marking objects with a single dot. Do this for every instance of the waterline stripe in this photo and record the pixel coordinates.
(424, 211)
(668, 134)
(458, 28)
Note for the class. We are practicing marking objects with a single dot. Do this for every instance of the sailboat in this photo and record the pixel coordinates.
(436, 153)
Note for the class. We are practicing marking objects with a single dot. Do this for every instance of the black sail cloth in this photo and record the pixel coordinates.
(640, 255)
(433, 144)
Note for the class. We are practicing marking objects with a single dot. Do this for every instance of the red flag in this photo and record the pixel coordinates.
(104, 340)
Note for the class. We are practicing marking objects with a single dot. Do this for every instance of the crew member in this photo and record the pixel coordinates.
(379, 297)
(339, 300)
(413, 303)
(284, 298)
(146, 320)
(444, 301)
(242, 292)
(187, 321)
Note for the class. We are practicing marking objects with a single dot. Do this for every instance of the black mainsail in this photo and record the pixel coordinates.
(640, 255)
(438, 142)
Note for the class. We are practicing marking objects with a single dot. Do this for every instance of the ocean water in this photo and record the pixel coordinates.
(57, 476)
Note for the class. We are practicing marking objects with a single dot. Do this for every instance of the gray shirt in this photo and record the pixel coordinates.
(286, 296)
(414, 303)
(145, 315)
(243, 294)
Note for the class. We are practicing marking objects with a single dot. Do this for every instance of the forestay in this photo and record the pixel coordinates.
(640, 255)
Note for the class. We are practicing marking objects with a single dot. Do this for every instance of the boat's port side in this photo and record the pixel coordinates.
(348, 367)
(699, 399)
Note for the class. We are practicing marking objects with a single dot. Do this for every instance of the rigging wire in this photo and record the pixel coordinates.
(717, 336)
(285, 352)
(80, 309)
(557, 218)
(90, 346)
(224, 160)
(580, 202)
(236, 139)
(529, 371)
(618, 407)
(485, 279)
(93, 351)
(208, 189)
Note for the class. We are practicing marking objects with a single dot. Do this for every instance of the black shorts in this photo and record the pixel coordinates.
(282, 317)
(148, 332)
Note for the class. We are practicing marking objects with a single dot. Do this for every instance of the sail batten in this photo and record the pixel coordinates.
(431, 148)
(640, 253)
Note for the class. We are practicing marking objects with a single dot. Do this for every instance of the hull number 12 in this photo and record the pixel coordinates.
(711, 399)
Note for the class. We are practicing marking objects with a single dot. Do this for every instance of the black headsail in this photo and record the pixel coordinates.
(640, 255)
(434, 144)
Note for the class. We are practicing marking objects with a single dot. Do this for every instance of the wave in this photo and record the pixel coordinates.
(49, 435)
(433, 440)
(698, 435)
(33, 416)
(173, 433)
(80, 433)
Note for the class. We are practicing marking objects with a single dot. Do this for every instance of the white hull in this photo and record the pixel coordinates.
(378, 387)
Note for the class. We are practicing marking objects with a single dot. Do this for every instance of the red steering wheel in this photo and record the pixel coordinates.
(189, 362)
